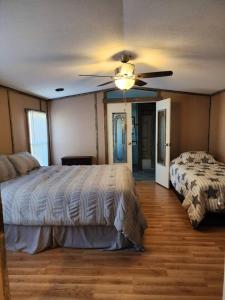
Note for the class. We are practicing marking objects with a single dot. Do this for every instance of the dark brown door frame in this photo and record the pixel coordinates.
(119, 100)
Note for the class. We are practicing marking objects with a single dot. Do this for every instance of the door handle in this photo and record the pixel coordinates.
(129, 143)
(167, 144)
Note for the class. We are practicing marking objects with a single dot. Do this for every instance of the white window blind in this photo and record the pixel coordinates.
(38, 134)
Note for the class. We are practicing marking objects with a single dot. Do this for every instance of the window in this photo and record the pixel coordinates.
(38, 135)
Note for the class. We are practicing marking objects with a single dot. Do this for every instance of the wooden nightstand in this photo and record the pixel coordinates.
(76, 160)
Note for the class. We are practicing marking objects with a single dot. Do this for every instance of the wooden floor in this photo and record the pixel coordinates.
(178, 263)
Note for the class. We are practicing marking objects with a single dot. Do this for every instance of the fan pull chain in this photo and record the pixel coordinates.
(124, 99)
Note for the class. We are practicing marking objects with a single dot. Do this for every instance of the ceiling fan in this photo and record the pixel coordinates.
(125, 77)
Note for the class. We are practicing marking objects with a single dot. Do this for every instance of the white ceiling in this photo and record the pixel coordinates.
(45, 44)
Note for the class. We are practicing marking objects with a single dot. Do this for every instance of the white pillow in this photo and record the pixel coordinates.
(7, 170)
(23, 162)
(197, 157)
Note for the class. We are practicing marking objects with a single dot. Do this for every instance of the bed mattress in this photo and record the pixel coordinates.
(75, 196)
(202, 185)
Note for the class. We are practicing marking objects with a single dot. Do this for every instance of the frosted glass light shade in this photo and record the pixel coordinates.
(127, 69)
(124, 83)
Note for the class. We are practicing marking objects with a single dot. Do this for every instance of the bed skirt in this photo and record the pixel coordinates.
(34, 239)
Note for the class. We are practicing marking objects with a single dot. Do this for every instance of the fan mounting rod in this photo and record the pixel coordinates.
(125, 58)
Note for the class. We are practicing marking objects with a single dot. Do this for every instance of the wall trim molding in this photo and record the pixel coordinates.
(49, 135)
(218, 92)
(133, 100)
(137, 88)
(96, 127)
(23, 93)
(106, 132)
(106, 90)
(10, 121)
(209, 127)
(74, 95)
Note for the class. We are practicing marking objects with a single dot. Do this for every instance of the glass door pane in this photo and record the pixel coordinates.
(161, 137)
(119, 121)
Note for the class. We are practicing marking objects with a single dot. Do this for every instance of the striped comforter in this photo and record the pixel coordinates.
(75, 195)
(202, 185)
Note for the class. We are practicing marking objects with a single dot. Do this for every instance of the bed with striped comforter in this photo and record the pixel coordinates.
(202, 184)
(75, 195)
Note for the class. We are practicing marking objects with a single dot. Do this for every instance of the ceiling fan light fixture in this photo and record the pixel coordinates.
(125, 69)
(124, 83)
(125, 77)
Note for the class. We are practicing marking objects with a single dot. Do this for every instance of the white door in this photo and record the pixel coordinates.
(119, 123)
(163, 122)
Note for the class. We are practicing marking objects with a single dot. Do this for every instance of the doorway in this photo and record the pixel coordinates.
(143, 141)
(134, 132)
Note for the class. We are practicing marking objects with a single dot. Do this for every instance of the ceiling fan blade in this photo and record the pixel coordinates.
(97, 76)
(155, 74)
(108, 82)
(139, 82)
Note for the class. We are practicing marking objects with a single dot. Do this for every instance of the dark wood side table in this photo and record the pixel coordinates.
(76, 160)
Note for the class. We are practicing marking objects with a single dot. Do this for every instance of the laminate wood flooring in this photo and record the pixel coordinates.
(178, 263)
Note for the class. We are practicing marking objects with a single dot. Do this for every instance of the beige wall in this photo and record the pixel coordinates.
(189, 122)
(76, 125)
(217, 126)
(73, 129)
(13, 127)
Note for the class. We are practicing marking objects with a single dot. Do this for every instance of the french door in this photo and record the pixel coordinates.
(163, 124)
(119, 123)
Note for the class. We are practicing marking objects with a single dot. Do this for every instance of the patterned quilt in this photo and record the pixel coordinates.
(202, 184)
(75, 195)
